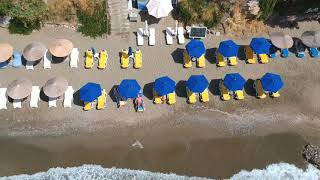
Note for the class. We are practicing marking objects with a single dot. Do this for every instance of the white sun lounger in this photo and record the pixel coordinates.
(68, 97)
(140, 37)
(35, 96)
(3, 98)
(152, 36)
(181, 39)
(16, 104)
(52, 102)
(74, 58)
(29, 65)
(169, 35)
(47, 60)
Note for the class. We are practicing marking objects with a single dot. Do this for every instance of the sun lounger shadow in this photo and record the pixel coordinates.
(214, 87)
(111, 93)
(248, 87)
(148, 90)
(177, 55)
(211, 55)
(242, 53)
(76, 98)
(181, 89)
(43, 97)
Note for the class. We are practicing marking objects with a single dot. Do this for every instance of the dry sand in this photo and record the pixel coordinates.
(296, 111)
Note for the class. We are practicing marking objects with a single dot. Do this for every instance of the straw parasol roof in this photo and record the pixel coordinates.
(281, 40)
(55, 87)
(61, 47)
(311, 38)
(34, 51)
(6, 51)
(19, 88)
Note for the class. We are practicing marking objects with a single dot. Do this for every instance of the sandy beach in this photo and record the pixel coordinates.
(185, 139)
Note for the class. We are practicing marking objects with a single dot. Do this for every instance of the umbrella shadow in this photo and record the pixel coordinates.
(43, 96)
(111, 93)
(76, 98)
(181, 89)
(146, 17)
(211, 55)
(177, 55)
(148, 90)
(24, 61)
(57, 60)
(214, 87)
(298, 46)
(242, 53)
(248, 87)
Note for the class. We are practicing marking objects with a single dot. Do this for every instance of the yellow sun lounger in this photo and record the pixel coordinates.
(102, 64)
(87, 106)
(239, 95)
(259, 89)
(156, 98)
(263, 58)
(124, 59)
(275, 94)
(225, 94)
(137, 59)
(233, 61)
(205, 96)
(201, 62)
(220, 60)
(187, 63)
(172, 98)
(102, 100)
(191, 97)
(89, 60)
(250, 55)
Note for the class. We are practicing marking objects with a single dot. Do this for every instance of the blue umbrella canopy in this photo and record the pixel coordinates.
(90, 92)
(195, 48)
(272, 82)
(228, 48)
(234, 81)
(197, 83)
(129, 88)
(164, 85)
(260, 45)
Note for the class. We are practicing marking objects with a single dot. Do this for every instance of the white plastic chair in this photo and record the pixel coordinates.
(74, 58)
(140, 37)
(169, 35)
(3, 98)
(17, 104)
(52, 102)
(68, 97)
(29, 65)
(47, 60)
(35, 96)
(181, 39)
(152, 36)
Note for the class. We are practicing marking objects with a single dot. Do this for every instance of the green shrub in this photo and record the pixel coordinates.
(5, 5)
(266, 8)
(17, 26)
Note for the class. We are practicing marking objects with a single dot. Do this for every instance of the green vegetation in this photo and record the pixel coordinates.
(267, 7)
(5, 5)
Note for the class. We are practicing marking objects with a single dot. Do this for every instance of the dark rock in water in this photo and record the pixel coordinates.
(312, 154)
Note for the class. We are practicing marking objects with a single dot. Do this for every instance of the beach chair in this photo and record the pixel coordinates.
(124, 59)
(87, 106)
(17, 104)
(220, 60)
(201, 61)
(285, 53)
(156, 98)
(181, 39)
(74, 58)
(225, 94)
(68, 97)
(35, 96)
(169, 35)
(16, 60)
(89, 59)
(249, 55)
(152, 36)
(29, 65)
(263, 58)
(171, 98)
(314, 52)
(140, 37)
(232, 61)
(300, 55)
(187, 63)
(137, 59)
(52, 102)
(102, 100)
(47, 60)
(3, 98)
(275, 94)
(191, 97)
(204, 96)
(239, 95)
(257, 85)
(102, 64)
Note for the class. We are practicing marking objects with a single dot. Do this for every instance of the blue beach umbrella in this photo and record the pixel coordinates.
(271, 82)
(197, 83)
(90, 92)
(228, 48)
(164, 85)
(234, 81)
(260, 45)
(195, 48)
(129, 88)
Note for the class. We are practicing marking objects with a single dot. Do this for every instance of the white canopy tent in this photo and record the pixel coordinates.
(159, 8)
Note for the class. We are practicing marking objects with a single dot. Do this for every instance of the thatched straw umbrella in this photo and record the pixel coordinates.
(6, 51)
(19, 88)
(34, 51)
(55, 87)
(311, 38)
(281, 40)
(61, 47)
